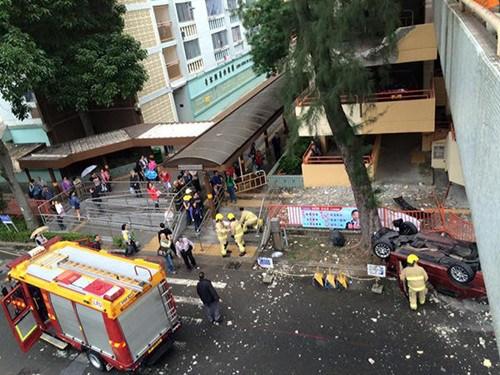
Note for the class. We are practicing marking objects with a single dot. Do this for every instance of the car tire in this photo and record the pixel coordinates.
(461, 273)
(407, 228)
(382, 248)
(96, 361)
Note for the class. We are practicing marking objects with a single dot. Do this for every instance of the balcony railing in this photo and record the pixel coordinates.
(174, 70)
(221, 53)
(308, 158)
(165, 31)
(189, 30)
(383, 96)
(216, 22)
(195, 65)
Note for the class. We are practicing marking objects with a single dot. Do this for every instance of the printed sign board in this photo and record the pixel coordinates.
(265, 262)
(376, 270)
(332, 217)
(6, 219)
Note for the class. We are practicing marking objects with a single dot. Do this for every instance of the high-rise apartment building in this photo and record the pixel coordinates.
(198, 58)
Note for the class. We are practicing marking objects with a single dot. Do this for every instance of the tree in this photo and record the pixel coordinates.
(90, 61)
(22, 66)
(316, 44)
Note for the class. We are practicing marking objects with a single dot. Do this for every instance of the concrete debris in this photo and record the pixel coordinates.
(482, 342)
(487, 363)
(371, 361)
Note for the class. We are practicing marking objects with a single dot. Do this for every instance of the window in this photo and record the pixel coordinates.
(219, 39)
(184, 11)
(232, 4)
(192, 49)
(438, 151)
(236, 34)
(214, 7)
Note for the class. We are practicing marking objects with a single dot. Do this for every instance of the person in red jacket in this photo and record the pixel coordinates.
(154, 194)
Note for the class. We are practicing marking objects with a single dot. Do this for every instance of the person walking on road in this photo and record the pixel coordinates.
(231, 188)
(237, 232)
(184, 249)
(59, 208)
(166, 251)
(222, 231)
(210, 298)
(415, 277)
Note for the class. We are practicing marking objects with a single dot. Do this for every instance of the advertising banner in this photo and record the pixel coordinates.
(332, 217)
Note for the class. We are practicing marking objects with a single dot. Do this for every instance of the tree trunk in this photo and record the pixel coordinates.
(352, 154)
(8, 173)
(88, 128)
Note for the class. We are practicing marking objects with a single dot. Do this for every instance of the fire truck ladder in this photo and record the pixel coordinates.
(123, 281)
(168, 301)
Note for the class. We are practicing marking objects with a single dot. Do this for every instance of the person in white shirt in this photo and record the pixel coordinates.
(184, 249)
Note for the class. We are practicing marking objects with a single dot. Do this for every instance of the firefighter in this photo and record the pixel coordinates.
(222, 233)
(415, 277)
(248, 219)
(237, 232)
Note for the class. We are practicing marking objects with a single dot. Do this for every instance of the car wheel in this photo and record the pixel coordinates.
(382, 248)
(407, 228)
(461, 273)
(96, 361)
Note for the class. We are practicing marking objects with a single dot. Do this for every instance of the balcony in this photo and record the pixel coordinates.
(165, 31)
(234, 18)
(188, 30)
(221, 53)
(195, 65)
(174, 70)
(216, 22)
(413, 43)
(329, 170)
(401, 111)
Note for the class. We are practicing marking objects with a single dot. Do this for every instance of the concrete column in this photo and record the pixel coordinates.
(323, 144)
(276, 234)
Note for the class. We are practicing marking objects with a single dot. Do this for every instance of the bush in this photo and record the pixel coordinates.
(118, 242)
(292, 161)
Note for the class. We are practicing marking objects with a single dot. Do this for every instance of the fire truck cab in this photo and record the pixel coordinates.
(119, 311)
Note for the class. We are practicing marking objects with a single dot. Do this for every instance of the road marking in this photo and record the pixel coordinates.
(188, 282)
(191, 320)
(188, 300)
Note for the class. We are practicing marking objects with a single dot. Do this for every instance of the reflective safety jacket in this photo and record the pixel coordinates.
(221, 230)
(415, 276)
(247, 216)
(236, 228)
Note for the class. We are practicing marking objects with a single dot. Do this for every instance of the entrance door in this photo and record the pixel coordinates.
(21, 318)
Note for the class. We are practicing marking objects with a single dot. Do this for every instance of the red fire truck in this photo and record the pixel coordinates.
(119, 311)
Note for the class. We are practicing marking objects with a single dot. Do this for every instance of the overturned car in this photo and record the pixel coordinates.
(452, 265)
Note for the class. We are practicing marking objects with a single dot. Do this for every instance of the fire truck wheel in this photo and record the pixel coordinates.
(96, 361)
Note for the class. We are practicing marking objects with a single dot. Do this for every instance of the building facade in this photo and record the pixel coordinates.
(198, 58)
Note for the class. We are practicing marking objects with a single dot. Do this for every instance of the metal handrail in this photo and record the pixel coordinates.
(308, 159)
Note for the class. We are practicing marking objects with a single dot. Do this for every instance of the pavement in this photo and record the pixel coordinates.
(290, 327)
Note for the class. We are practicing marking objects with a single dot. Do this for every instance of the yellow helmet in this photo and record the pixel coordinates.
(187, 198)
(219, 217)
(231, 216)
(412, 258)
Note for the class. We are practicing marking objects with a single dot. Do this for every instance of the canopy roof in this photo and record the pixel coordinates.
(142, 135)
(242, 124)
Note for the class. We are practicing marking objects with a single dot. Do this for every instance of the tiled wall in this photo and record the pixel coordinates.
(158, 110)
(156, 79)
(139, 24)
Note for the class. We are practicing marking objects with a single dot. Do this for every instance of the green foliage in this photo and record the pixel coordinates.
(118, 242)
(73, 52)
(291, 162)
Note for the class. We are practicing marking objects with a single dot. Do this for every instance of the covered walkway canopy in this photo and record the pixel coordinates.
(220, 145)
(142, 135)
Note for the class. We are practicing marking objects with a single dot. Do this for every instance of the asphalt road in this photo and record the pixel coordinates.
(293, 328)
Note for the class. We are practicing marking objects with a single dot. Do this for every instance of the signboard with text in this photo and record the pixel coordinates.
(332, 217)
